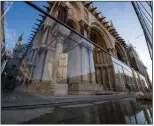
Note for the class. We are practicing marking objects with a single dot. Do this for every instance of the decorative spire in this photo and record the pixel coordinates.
(88, 4)
(101, 18)
(42, 16)
(18, 44)
(105, 23)
(20, 37)
(93, 8)
(50, 3)
(96, 14)
(111, 24)
(47, 8)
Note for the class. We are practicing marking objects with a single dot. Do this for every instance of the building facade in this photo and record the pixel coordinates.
(137, 64)
(14, 67)
(62, 62)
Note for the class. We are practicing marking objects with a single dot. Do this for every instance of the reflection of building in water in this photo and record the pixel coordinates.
(135, 113)
(114, 112)
(62, 62)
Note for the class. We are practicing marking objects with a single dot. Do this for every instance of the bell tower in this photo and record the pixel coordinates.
(18, 46)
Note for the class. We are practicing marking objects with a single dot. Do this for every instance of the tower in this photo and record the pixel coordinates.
(18, 47)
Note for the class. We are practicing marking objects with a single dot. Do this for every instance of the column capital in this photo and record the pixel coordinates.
(61, 31)
(46, 27)
(42, 49)
(86, 43)
(83, 23)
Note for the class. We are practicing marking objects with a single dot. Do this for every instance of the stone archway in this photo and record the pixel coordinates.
(97, 37)
(108, 39)
(103, 63)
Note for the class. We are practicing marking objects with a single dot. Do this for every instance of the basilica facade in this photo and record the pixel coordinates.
(62, 62)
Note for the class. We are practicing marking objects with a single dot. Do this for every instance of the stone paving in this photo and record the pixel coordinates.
(23, 98)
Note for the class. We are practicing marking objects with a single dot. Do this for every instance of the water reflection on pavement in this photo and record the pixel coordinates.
(114, 112)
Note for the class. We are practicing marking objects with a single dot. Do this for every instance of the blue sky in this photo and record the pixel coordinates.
(21, 18)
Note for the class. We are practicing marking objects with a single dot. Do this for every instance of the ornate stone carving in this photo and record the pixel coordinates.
(86, 17)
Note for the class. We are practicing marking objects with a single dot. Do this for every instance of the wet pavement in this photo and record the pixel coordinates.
(126, 111)
(30, 99)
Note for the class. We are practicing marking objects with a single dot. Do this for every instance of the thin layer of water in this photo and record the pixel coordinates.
(114, 112)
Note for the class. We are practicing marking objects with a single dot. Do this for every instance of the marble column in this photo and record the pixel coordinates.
(37, 72)
(59, 49)
(33, 61)
(85, 64)
(74, 60)
(88, 32)
(43, 64)
(45, 35)
(84, 28)
(62, 34)
(39, 67)
(87, 61)
(34, 73)
(31, 55)
(48, 68)
(81, 27)
(92, 67)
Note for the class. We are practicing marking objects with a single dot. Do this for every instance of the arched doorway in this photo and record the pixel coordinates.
(103, 63)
